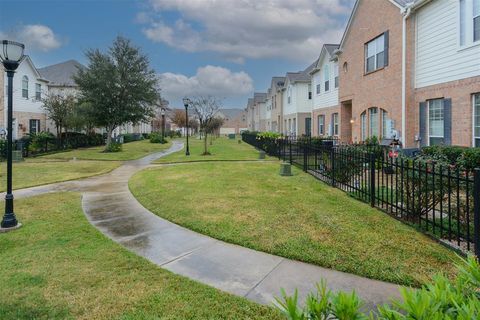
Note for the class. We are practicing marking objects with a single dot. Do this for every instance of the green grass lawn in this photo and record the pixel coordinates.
(296, 217)
(58, 266)
(222, 149)
(131, 151)
(37, 171)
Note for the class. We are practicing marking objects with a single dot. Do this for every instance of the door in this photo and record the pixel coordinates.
(308, 126)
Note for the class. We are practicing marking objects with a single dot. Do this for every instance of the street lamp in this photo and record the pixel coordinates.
(186, 103)
(11, 54)
(163, 124)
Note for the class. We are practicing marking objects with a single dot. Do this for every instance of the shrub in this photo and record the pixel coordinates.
(441, 299)
(464, 158)
(40, 141)
(130, 137)
(113, 147)
(156, 137)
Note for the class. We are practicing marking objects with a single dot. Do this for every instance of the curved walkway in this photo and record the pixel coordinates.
(109, 206)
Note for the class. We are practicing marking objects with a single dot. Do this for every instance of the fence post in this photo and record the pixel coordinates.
(372, 179)
(305, 157)
(476, 212)
(332, 165)
(290, 150)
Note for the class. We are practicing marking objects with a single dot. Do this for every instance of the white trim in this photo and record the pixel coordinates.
(473, 119)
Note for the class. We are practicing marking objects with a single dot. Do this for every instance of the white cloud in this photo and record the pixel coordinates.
(209, 80)
(35, 37)
(239, 29)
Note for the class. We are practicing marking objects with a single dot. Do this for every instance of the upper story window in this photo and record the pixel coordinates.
(25, 87)
(335, 74)
(289, 94)
(469, 21)
(318, 89)
(376, 53)
(38, 91)
(326, 77)
(309, 91)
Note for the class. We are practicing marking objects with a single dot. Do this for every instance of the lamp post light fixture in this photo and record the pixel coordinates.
(11, 54)
(186, 103)
(163, 123)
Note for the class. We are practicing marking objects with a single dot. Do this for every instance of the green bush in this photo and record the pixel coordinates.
(130, 137)
(40, 141)
(461, 157)
(441, 299)
(156, 137)
(113, 147)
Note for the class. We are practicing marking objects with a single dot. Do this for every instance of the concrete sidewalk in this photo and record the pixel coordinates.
(109, 206)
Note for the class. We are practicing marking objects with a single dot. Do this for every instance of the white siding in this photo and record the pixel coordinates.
(299, 99)
(439, 57)
(21, 104)
(329, 98)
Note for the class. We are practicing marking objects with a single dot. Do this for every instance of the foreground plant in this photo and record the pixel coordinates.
(439, 300)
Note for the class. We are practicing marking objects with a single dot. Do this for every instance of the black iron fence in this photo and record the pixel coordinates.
(440, 200)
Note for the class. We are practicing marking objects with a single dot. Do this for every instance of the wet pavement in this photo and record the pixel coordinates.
(111, 208)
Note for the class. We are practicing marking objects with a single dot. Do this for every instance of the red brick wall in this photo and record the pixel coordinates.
(382, 88)
(460, 92)
(327, 112)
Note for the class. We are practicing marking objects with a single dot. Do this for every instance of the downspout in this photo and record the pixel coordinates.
(406, 14)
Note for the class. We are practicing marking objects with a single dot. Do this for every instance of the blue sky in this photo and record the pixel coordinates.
(227, 48)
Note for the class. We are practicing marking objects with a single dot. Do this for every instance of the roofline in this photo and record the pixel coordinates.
(37, 73)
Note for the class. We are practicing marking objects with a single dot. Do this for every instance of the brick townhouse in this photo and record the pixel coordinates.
(411, 69)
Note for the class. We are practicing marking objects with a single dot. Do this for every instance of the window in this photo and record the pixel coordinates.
(375, 54)
(335, 73)
(290, 125)
(435, 122)
(38, 91)
(385, 125)
(294, 126)
(25, 87)
(469, 21)
(289, 93)
(363, 126)
(373, 119)
(318, 89)
(321, 125)
(335, 124)
(326, 77)
(476, 119)
(309, 91)
(34, 126)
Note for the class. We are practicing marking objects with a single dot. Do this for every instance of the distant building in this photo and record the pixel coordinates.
(235, 120)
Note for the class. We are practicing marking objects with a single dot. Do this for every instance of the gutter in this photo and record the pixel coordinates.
(406, 14)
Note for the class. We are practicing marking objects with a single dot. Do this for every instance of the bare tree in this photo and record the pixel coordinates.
(205, 107)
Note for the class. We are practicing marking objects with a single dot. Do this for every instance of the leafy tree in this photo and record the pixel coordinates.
(119, 85)
(179, 118)
(58, 108)
(206, 108)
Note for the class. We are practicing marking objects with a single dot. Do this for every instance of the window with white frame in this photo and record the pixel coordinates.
(335, 72)
(321, 125)
(34, 125)
(25, 87)
(326, 77)
(289, 94)
(375, 54)
(309, 91)
(476, 119)
(435, 122)
(373, 121)
(469, 21)
(385, 126)
(335, 124)
(318, 89)
(38, 91)
(294, 126)
(363, 126)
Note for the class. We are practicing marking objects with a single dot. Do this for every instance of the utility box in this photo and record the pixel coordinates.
(231, 136)
(285, 169)
(17, 156)
(261, 155)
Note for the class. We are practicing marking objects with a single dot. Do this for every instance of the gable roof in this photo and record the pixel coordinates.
(62, 73)
(401, 4)
(326, 49)
(29, 61)
(300, 76)
(230, 114)
(259, 97)
(277, 82)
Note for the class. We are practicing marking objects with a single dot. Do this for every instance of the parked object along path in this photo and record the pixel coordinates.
(112, 209)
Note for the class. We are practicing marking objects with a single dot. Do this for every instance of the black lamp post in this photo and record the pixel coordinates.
(11, 54)
(163, 124)
(186, 102)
